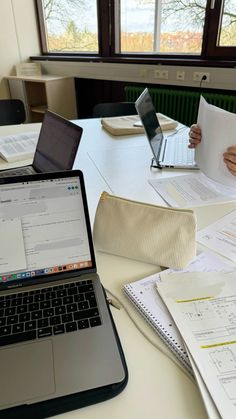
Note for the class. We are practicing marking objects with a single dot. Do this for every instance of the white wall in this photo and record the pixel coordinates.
(18, 37)
(220, 78)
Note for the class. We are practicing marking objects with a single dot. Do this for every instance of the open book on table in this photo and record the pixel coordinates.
(18, 147)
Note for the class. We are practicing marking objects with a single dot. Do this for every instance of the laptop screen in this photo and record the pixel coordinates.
(147, 114)
(57, 145)
(44, 223)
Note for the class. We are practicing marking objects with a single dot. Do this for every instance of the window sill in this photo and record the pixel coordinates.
(193, 61)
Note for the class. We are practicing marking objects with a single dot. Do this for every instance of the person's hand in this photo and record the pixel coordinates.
(195, 136)
(230, 159)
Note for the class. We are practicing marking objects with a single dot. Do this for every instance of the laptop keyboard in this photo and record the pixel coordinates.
(48, 312)
(17, 172)
(178, 151)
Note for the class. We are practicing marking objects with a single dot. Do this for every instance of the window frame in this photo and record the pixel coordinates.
(212, 50)
(108, 14)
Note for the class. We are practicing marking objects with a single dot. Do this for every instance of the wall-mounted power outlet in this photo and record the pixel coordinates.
(180, 75)
(161, 74)
(198, 76)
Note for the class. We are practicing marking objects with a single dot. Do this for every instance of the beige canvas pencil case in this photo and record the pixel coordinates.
(149, 233)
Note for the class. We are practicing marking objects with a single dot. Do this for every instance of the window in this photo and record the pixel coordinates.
(165, 27)
(69, 25)
(223, 34)
(138, 29)
(227, 32)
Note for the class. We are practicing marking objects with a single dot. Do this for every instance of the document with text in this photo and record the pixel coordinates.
(12, 250)
(218, 133)
(144, 296)
(203, 306)
(214, 183)
(221, 236)
(192, 190)
(18, 147)
(207, 399)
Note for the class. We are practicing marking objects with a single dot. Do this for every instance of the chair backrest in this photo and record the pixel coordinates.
(12, 111)
(114, 109)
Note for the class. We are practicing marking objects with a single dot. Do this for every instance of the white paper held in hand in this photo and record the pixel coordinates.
(218, 133)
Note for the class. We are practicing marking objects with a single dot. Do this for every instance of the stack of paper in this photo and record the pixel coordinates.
(203, 306)
(143, 294)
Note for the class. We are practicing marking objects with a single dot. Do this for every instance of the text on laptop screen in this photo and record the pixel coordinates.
(43, 229)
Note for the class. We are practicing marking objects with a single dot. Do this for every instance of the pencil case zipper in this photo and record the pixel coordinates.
(105, 195)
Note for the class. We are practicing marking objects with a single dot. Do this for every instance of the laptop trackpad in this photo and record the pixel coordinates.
(27, 372)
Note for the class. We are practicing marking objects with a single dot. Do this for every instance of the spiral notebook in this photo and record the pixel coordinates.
(144, 296)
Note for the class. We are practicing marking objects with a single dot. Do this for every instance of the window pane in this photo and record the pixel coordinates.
(162, 26)
(228, 26)
(71, 25)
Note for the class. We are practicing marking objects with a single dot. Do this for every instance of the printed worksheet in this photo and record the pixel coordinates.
(203, 306)
(192, 190)
(221, 236)
(207, 399)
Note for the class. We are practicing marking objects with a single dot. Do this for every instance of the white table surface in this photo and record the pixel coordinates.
(156, 388)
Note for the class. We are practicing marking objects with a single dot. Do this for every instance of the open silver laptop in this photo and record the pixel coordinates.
(171, 151)
(57, 337)
(56, 148)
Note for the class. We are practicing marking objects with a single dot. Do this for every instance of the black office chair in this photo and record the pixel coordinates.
(114, 109)
(12, 111)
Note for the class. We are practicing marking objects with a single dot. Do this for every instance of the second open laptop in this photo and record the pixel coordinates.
(56, 149)
(171, 151)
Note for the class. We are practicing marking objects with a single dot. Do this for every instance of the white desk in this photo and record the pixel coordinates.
(124, 166)
(156, 387)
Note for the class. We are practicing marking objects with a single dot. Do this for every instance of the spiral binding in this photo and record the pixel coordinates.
(169, 340)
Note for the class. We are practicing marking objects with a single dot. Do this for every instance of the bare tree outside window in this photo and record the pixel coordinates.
(71, 25)
(139, 28)
(163, 26)
(228, 27)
